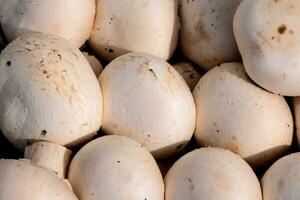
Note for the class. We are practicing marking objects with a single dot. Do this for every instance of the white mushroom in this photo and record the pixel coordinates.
(188, 73)
(123, 26)
(115, 167)
(211, 173)
(206, 35)
(145, 98)
(235, 114)
(48, 92)
(281, 181)
(72, 20)
(268, 36)
(20, 180)
(95, 63)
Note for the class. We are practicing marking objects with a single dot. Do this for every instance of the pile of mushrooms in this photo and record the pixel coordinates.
(150, 100)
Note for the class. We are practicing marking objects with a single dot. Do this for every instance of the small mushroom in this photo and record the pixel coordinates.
(115, 167)
(127, 26)
(281, 181)
(188, 73)
(206, 35)
(268, 36)
(211, 173)
(235, 114)
(146, 99)
(48, 92)
(72, 20)
(20, 180)
(95, 63)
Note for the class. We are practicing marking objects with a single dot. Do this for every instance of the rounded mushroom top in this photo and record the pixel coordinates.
(48, 92)
(146, 99)
(268, 36)
(211, 173)
(20, 180)
(72, 20)
(115, 167)
(127, 26)
(281, 181)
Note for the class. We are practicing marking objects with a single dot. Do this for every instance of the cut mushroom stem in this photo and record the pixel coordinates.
(49, 155)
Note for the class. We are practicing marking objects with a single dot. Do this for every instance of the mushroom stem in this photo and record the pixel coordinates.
(49, 155)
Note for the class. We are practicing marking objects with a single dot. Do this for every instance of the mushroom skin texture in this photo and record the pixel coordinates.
(206, 36)
(281, 181)
(48, 92)
(123, 26)
(188, 73)
(268, 36)
(235, 114)
(20, 180)
(94, 62)
(72, 20)
(211, 173)
(296, 107)
(146, 99)
(115, 167)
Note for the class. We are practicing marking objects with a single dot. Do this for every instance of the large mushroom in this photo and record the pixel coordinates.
(20, 180)
(115, 167)
(146, 99)
(235, 114)
(206, 35)
(48, 92)
(211, 173)
(268, 36)
(123, 26)
(72, 20)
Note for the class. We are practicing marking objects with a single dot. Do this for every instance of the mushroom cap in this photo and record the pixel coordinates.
(211, 173)
(281, 181)
(95, 63)
(20, 180)
(48, 92)
(144, 98)
(296, 108)
(115, 167)
(188, 73)
(135, 26)
(235, 114)
(206, 35)
(268, 37)
(72, 20)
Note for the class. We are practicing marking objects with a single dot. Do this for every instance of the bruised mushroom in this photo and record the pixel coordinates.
(211, 173)
(145, 98)
(206, 35)
(281, 181)
(268, 36)
(188, 73)
(123, 26)
(20, 180)
(235, 114)
(72, 20)
(115, 167)
(48, 92)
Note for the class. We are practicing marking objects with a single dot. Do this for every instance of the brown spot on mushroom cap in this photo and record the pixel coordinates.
(282, 29)
(280, 185)
(200, 30)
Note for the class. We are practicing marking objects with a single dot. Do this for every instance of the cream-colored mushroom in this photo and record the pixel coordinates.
(20, 180)
(48, 92)
(146, 99)
(95, 63)
(211, 173)
(72, 20)
(115, 167)
(188, 73)
(206, 35)
(235, 114)
(268, 37)
(281, 181)
(135, 26)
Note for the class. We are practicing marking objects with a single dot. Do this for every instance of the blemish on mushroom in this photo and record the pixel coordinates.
(154, 74)
(281, 29)
(43, 132)
(8, 63)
